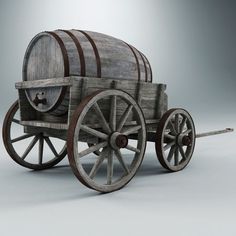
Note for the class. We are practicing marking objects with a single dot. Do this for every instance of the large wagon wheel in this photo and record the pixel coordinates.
(175, 139)
(11, 127)
(119, 157)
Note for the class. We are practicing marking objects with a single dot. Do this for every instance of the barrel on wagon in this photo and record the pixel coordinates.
(64, 53)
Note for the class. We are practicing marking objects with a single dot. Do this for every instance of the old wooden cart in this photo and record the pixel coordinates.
(114, 116)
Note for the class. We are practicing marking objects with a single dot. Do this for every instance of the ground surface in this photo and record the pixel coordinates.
(201, 200)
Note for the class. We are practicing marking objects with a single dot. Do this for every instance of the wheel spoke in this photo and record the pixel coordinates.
(167, 146)
(94, 132)
(41, 141)
(171, 153)
(92, 149)
(187, 131)
(169, 136)
(31, 145)
(16, 121)
(132, 130)
(98, 162)
(22, 137)
(124, 117)
(176, 155)
(133, 149)
(177, 123)
(103, 120)
(181, 150)
(113, 113)
(182, 125)
(172, 128)
(48, 141)
(110, 167)
(120, 159)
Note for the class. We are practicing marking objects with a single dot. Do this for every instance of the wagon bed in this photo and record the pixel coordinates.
(151, 98)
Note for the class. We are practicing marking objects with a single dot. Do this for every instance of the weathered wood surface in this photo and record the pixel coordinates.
(27, 112)
(53, 82)
(63, 53)
(147, 96)
(56, 133)
(43, 124)
(216, 132)
(151, 97)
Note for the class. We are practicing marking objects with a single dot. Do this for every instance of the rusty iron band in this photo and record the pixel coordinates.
(66, 68)
(136, 58)
(145, 67)
(64, 53)
(98, 60)
(149, 67)
(80, 52)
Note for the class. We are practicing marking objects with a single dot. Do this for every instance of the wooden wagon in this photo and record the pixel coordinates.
(114, 117)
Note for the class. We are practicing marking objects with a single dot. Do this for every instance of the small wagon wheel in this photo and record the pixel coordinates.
(119, 117)
(11, 127)
(175, 140)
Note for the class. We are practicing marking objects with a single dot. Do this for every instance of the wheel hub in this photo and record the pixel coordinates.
(184, 140)
(118, 140)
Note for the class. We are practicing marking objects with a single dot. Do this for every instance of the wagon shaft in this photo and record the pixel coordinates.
(206, 134)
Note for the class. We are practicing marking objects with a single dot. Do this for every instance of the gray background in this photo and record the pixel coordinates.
(191, 47)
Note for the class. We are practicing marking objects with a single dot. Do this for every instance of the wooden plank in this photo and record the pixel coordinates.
(39, 123)
(160, 101)
(61, 134)
(150, 97)
(26, 110)
(42, 83)
(75, 95)
(47, 117)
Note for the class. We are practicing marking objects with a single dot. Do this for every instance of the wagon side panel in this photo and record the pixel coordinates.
(151, 97)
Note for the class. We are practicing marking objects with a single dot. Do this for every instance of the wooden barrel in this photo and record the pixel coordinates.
(63, 53)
